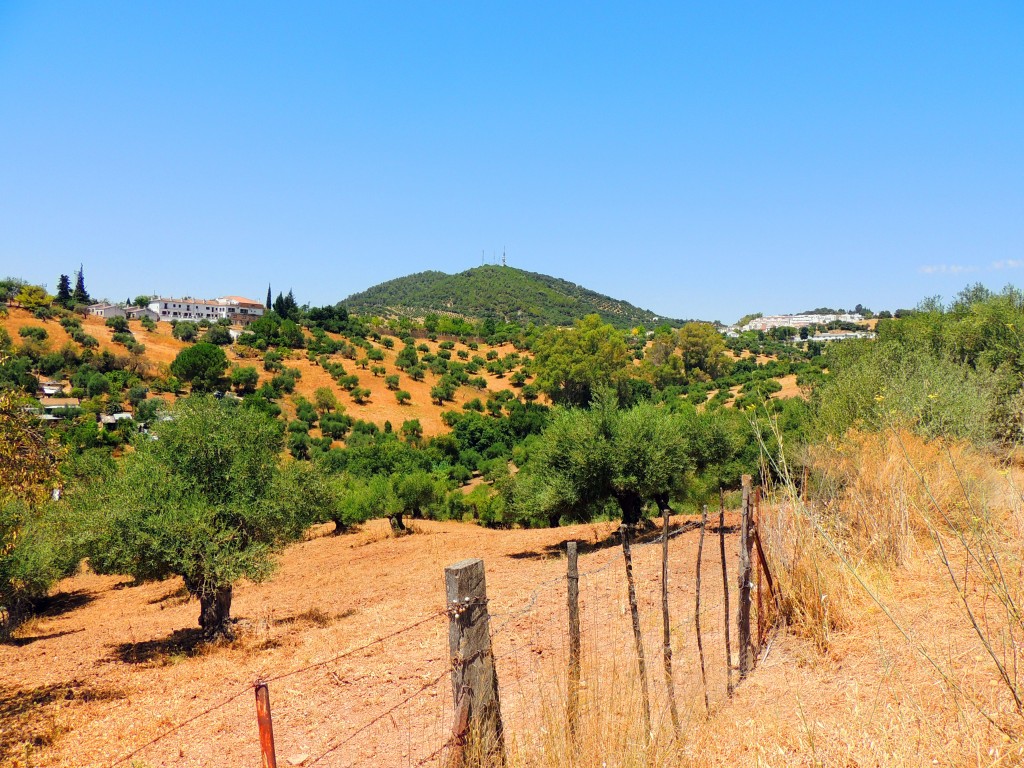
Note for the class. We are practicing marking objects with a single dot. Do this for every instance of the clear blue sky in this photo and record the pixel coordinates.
(698, 159)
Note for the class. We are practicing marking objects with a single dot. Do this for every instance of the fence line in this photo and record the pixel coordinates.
(264, 680)
(530, 660)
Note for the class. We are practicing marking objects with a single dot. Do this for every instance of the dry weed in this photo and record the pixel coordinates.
(882, 491)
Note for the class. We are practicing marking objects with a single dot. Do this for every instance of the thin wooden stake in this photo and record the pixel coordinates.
(637, 637)
(667, 648)
(573, 578)
(268, 758)
(743, 615)
(473, 671)
(760, 603)
(696, 611)
(725, 591)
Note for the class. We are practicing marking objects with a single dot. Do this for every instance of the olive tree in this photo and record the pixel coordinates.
(36, 548)
(204, 499)
(588, 458)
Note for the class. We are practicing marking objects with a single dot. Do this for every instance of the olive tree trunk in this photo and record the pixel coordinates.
(215, 611)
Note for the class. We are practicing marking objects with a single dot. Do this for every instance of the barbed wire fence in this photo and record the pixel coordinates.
(371, 704)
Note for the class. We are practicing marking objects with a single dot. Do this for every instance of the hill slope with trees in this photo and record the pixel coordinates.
(499, 293)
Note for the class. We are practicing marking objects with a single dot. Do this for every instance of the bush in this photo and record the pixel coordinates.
(98, 385)
(217, 334)
(185, 330)
(273, 361)
(244, 379)
(33, 332)
(37, 549)
(119, 324)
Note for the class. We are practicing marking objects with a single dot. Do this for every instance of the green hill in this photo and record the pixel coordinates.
(501, 293)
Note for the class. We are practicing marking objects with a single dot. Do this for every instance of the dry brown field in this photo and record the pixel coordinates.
(112, 665)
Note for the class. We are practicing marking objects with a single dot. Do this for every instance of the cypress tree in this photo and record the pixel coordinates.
(268, 296)
(64, 291)
(81, 296)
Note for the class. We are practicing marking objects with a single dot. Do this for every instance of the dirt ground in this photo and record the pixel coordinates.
(111, 666)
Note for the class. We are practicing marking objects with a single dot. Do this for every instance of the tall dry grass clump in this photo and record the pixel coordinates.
(610, 729)
(892, 505)
(881, 492)
(816, 591)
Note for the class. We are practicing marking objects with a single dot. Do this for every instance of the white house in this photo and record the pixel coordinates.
(137, 313)
(107, 310)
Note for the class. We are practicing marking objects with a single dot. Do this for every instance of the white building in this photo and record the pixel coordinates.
(107, 310)
(137, 313)
(237, 309)
(768, 322)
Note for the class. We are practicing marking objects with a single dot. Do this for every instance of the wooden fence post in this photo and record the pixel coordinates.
(670, 687)
(743, 615)
(637, 636)
(696, 610)
(268, 758)
(473, 671)
(573, 577)
(754, 524)
(725, 591)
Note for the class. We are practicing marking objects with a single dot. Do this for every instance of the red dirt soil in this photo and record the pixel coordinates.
(112, 666)
(109, 666)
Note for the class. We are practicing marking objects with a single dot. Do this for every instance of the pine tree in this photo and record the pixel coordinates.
(64, 291)
(286, 306)
(81, 296)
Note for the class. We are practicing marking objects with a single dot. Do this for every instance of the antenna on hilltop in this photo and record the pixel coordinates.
(503, 258)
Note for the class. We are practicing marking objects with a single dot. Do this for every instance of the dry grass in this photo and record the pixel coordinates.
(881, 492)
(907, 563)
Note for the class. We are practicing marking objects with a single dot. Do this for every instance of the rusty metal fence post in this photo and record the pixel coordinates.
(268, 758)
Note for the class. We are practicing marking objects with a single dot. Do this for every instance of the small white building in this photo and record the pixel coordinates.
(107, 310)
(51, 388)
(137, 313)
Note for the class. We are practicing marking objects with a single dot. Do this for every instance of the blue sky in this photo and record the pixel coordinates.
(698, 159)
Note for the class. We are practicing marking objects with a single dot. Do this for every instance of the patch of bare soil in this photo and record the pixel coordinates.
(131, 660)
(789, 388)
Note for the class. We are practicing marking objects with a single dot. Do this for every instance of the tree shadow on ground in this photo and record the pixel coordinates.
(647, 535)
(20, 642)
(178, 593)
(182, 643)
(61, 603)
(30, 716)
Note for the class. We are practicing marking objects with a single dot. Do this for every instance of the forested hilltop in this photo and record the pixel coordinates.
(499, 293)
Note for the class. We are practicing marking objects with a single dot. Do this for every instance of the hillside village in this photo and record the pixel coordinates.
(160, 316)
